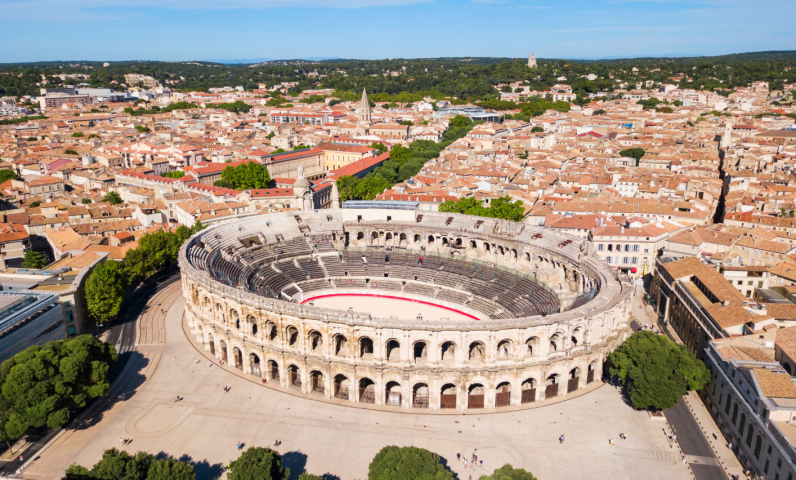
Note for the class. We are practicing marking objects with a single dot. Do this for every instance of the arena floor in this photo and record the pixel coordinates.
(386, 307)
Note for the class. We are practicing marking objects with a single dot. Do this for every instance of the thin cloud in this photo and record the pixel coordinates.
(207, 4)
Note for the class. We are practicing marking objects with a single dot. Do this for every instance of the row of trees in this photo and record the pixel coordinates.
(43, 385)
(404, 163)
(120, 465)
(155, 109)
(502, 208)
(108, 282)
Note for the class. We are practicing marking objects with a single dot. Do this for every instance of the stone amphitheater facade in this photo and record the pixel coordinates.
(505, 358)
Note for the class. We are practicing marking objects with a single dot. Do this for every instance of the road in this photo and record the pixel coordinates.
(695, 446)
(123, 336)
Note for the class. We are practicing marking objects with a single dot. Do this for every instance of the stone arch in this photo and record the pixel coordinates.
(592, 368)
(503, 394)
(237, 323)
(393, 350)
(273, 370)
(476, 394)
(211, 344)
(473, 244)
(340, 387)
(223, 346)
(253, 322)
(445, 241)
(365, 348)
(487, 248)
(270, 331)
(392, 394)
(360, 235)
(577, 336)
(448, 394)
(555, 343)
(448, 353)
(294, 376)
(402, 239)
(420, 395)
(292, 335)
(532, 346)
(374, 238)
(527, 257)
(416, 238)
(367, 390)
(477, 353)
(316, 341)
(420, 351)
(430, 239)
(528, 391)
(551, 385)
(237, 358)
(340, 345)
(316, 382)
(254, 365)
(573, 381)
(504, 349)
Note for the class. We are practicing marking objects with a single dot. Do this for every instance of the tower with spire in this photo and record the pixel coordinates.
(364, 110)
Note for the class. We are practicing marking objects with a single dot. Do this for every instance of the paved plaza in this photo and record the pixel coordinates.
(326, 438)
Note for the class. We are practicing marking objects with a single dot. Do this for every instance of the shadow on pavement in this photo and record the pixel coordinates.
(296, 462)
(444, 462)
(203, 469)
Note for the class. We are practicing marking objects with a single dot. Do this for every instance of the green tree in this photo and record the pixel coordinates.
(86, 201)
(379, 146)
(506, 88)
(501, 207)
(34, 259)
(347, 186)
(142, 129)
(105, 291)
(6, 175)
(42, 384)
(635, 152)
(113, 198)
(460, 121)
(371, 187)
(247, 176)
(656, 371)
(77, 134)
(173, 174)
(35, 204)
(156, 252)
(309, 476)
(120, 465)
(69, 151)
(537, 129)
(405, 463)
(258, 464)
(599, 112)
(507, 472)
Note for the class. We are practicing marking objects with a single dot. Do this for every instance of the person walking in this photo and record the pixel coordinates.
(561, 438)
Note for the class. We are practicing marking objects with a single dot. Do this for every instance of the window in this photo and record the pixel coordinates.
(69, 316)
(743, 425)
(600, 247)
(635, 248)
(624, 260)
(749, 435)
(646, 250)
(727, 406)
(749, 283)
(740, 282)
(608, 260)
(735, 413)
(760, 284)
(67, 303)
(758, 445)
(71, 331)
(627, 248)
(634, 260)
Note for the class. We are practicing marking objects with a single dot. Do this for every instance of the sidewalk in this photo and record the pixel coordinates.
(705, 420)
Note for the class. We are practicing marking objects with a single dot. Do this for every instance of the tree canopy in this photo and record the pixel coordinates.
(507, 472)
(368, 188)
(156, 252)
(7, 174)
(113, 198)
(173, 174)
(258, 463)
(34, 259)
(656, 371)
(246, 176)
(120, 465)
(105, 291)
(635, 152)
(502, 208)
(41, 385)
(407, 463)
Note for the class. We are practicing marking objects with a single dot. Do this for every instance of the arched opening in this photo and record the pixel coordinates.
(237, 324)
(341, 387)
(574, 378)
(527, 257)
(374, 238)
(420, 396)
(388, 238)
(501, 251)
(367, 391)
(237, 357)
(430, 239)
(366, 349)
(402, 240)
(316, 342)
(254, 329)
(271, 333)
(477, 353)
(473, 244)
(503, 395)
(448, 353)
(577, 336)
(294, 377)
(513, 254)
(487, 247)
(211, 343)
(273, 370)
(447, 398)
(254, 364)
(417, 238)
(458, 242)
(392, 394)
(532, 346)
(475, 396)
(528, 392)
(393, 351)
(420, 352)
(292, 336)
(445, 241)
(551, 386)
(593, 367)
(316, 382)
(504, 350)
(340, 345)
(555, 343)
(223, 345)
(360, 235)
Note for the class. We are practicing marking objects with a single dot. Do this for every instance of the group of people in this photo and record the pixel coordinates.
(623, 436)
(177, 399)
(126, 441)
(227, 389)
(472, 463)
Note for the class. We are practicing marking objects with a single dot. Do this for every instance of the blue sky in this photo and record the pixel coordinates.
(37, 30)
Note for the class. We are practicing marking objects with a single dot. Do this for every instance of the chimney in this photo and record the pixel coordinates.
(726, 303)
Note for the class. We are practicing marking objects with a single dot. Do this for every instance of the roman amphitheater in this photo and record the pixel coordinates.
(380, 303)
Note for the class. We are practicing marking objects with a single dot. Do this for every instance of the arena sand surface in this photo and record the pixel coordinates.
(326, 438)
(385, 307)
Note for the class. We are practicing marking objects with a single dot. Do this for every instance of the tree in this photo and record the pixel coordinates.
(656, 371)
(379, 146)
(507, 472)
(309, 476)
(113, 198)
(105, 291)
(155, 252)
(34, 259)
(599, 112)
(77, 134)
(399, 463)
(35, 204)
(634, 152)
(41, 385)
(258, 464)
(537, 129)
(173, 174)
(460, 121)
(6, 175)
(347, 186)
(506, 88)
(371, 187)
(406, 122)
(69, 151)
(502, 208)
(247, 176)
(142, 129)
(118, 465)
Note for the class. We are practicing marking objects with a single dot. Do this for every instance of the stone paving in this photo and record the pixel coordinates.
(324, 438)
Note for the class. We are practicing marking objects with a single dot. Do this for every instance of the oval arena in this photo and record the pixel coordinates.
(380, 303)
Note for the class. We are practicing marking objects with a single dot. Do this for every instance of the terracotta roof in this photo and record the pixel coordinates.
(775, 385)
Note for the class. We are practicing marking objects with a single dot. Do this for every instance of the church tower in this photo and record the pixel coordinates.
(364, 110)
(532, 61)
